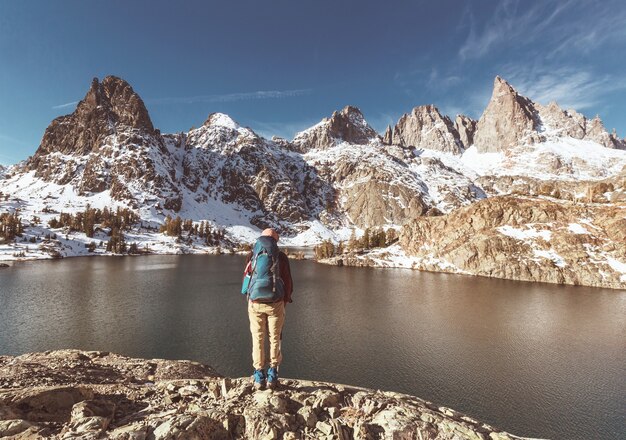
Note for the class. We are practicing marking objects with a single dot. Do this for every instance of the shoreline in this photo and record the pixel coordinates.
(359, 260)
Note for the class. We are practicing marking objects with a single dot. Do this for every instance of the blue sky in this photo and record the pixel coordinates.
(280, 66)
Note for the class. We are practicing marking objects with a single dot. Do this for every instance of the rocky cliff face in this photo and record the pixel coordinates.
(386, 185)
(466, 127)
(508, 120)
(225, 161)
(72, 394)
(528, 239)
(557, 122)
(511, 120)
(107, 143)
(426, 128)
(607, 191)
(347, 125)
(107, 107)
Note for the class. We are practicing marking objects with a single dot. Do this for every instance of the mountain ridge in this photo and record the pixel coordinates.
(112, 91)
(334, 178)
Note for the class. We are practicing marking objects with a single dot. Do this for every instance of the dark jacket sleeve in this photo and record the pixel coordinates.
(285, 275)
(246, 268)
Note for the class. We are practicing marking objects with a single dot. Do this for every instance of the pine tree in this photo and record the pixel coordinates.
(365, 240)
(326, 249)
(391, 236)
(89, 222)
(378, 238)
(10, 226)
(117, 243)
(352, 242)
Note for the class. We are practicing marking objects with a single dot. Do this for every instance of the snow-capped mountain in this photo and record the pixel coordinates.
(511, 120)
(338, 175)
(345, 126)
(108, 144)
(270, 184)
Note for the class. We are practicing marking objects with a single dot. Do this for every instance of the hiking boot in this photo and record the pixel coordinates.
(272, 378)
(259, 379)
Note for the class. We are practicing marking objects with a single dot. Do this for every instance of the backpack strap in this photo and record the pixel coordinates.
(256, 258)
(275, 270)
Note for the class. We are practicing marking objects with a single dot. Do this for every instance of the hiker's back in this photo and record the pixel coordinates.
(266, 284)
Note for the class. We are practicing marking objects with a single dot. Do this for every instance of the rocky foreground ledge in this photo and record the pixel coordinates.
(71, 394)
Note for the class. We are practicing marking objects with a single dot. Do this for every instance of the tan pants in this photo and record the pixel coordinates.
(266, 319)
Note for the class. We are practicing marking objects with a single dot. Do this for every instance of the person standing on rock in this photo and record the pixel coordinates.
(268, 287)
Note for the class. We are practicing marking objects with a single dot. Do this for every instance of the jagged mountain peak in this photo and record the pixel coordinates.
(110, 106)
(425, 109)
(346, 125)
(388, 136)
(221, 120)
(500, 85)
(466, 128)
(425, 127)
(350, 125)
(351, 112)
(116, 95)
(509, 119)
(107, 143)
(554, 105)
(557, 123)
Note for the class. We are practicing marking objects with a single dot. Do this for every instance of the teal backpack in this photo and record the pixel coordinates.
(265, 284)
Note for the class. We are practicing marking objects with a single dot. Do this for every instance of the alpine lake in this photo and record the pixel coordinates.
(537, 360)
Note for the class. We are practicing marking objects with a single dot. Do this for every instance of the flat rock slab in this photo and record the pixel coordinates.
(72, 394)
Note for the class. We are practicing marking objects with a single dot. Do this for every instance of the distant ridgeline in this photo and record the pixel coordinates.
(542, 188)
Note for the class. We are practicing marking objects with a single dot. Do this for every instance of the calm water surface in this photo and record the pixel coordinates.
(534, 359)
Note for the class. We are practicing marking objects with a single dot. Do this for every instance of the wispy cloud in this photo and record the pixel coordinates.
(548, 23)
(544, 48)
(439, 81)
(69, 104)
(226, 97)
(570, 87)
(232, 97)
(432, 79)
(601, 25)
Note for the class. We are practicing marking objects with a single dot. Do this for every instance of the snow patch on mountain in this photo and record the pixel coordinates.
(562, 159)
(334, 179)
(550, 254)
(576, 228)
(522, 234)
(223, 120)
